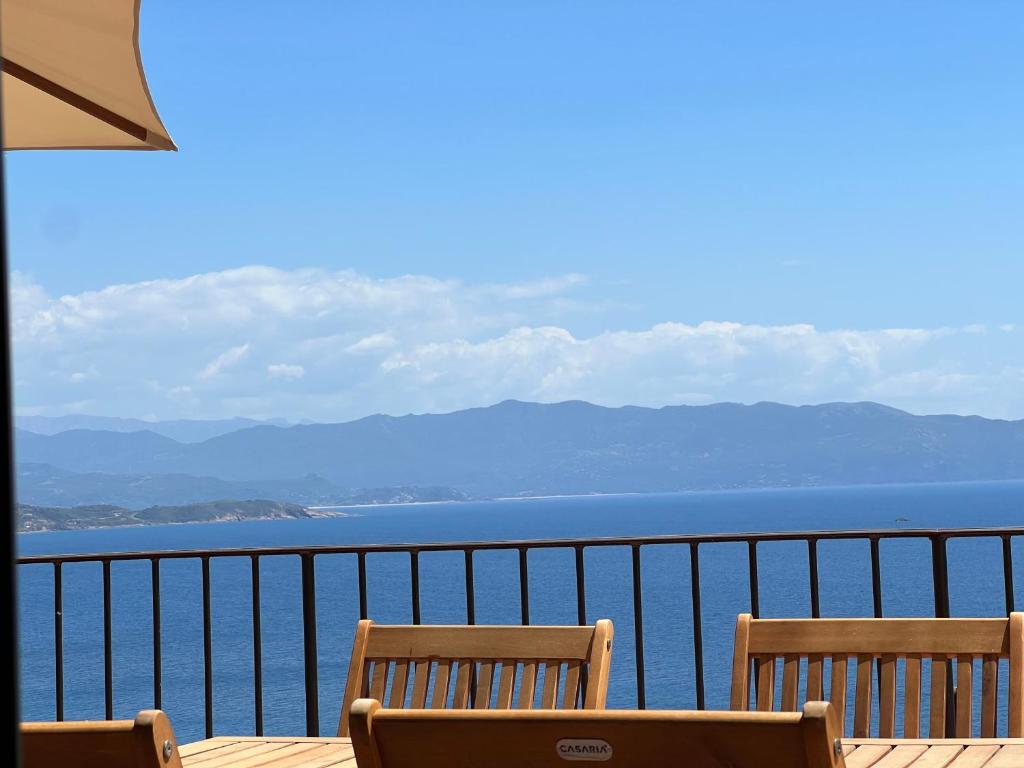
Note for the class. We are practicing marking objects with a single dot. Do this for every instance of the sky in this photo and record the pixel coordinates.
(432, 206)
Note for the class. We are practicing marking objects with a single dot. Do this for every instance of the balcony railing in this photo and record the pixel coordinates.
(696, 543)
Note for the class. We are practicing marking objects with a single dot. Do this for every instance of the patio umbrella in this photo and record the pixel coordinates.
(73, 79)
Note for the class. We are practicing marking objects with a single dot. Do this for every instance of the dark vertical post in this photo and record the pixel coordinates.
(524, 588)
(638, 630)
(876, 602)
(58, 640)
(154, 580)
(1008, 574)
(812, 574)
(108, 646)
(876, 578)
(363, 612)
(9, 618)
(414, 581)
(470, 619)
(698, 640)
(309, 644)
(755, 602)
(581, 609)
(207, 648)
(257, 646)
(940, 588)
(470, 600)
(581, 589)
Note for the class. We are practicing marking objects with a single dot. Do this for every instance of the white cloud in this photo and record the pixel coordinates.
(309, 343)
(285, 371)
(229, 358)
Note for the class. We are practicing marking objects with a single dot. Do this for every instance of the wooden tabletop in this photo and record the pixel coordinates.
(934, 753)
(295, 752)
(268, 752)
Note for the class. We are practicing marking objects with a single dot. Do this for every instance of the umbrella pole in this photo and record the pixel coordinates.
(8, 612)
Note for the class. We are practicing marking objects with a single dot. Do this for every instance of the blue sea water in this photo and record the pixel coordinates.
(976, 585)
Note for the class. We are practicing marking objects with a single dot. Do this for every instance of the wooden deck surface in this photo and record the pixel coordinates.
(295, 752)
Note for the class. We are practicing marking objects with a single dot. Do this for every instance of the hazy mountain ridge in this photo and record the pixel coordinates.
(181, 430)
(516, 448)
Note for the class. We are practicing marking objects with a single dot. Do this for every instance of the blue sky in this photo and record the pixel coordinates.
(597, 170)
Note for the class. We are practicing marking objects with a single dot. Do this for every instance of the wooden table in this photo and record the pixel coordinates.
(295, 752)
(934, 753)
(268, 752)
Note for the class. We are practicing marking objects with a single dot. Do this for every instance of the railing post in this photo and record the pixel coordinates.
(363, 612)
(58, 640)
(154, 579)
(309, 645)
(755, 602)
(207, 647)
(257, 647)
(108, 646)
(940, 588)
(698, 640)
(524, 587)
(1008, 574)
(812, 575)
(638, 630)
(414, 582)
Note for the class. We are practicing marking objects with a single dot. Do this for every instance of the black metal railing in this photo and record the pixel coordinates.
(938, 539)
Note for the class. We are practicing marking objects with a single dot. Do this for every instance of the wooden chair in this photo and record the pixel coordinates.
(875, 646)
(480, 654)
(145, 742)
(390, 738)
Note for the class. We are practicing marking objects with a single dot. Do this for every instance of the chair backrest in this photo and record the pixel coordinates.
(390, 738)
(145, 742)
(875, 648)
(473, 658)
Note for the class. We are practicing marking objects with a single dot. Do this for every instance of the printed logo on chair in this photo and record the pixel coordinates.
(591, 750)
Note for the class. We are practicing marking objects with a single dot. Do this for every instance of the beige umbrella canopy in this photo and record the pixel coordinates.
(73, 79)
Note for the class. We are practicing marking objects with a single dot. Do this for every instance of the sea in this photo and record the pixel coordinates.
(975, 575)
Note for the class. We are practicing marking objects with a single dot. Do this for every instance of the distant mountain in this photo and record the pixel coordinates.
(46, 485)
(182, 430)
(516, 448)
(33, 518)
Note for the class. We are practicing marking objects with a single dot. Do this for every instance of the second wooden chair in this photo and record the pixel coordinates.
(473, 658)
(950, 648)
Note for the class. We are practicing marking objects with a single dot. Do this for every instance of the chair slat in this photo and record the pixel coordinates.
(912, 698)
(463, 676)
(572, 685)
(815, 665)
(442, 676)
(937, 709)
(765, 683)
(862, 702)
(989, 695)
(887, 697)
(549, 695)
(419, 684)
(790, 682)
(528, 685)
(506, 682)
(964, 694)
(837, 692)
(399, 685)
(484, 685)
(379, 681)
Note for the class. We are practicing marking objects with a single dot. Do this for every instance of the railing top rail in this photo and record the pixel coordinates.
(519, 544)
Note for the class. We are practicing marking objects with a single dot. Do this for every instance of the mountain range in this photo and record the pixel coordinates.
(518, 448)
